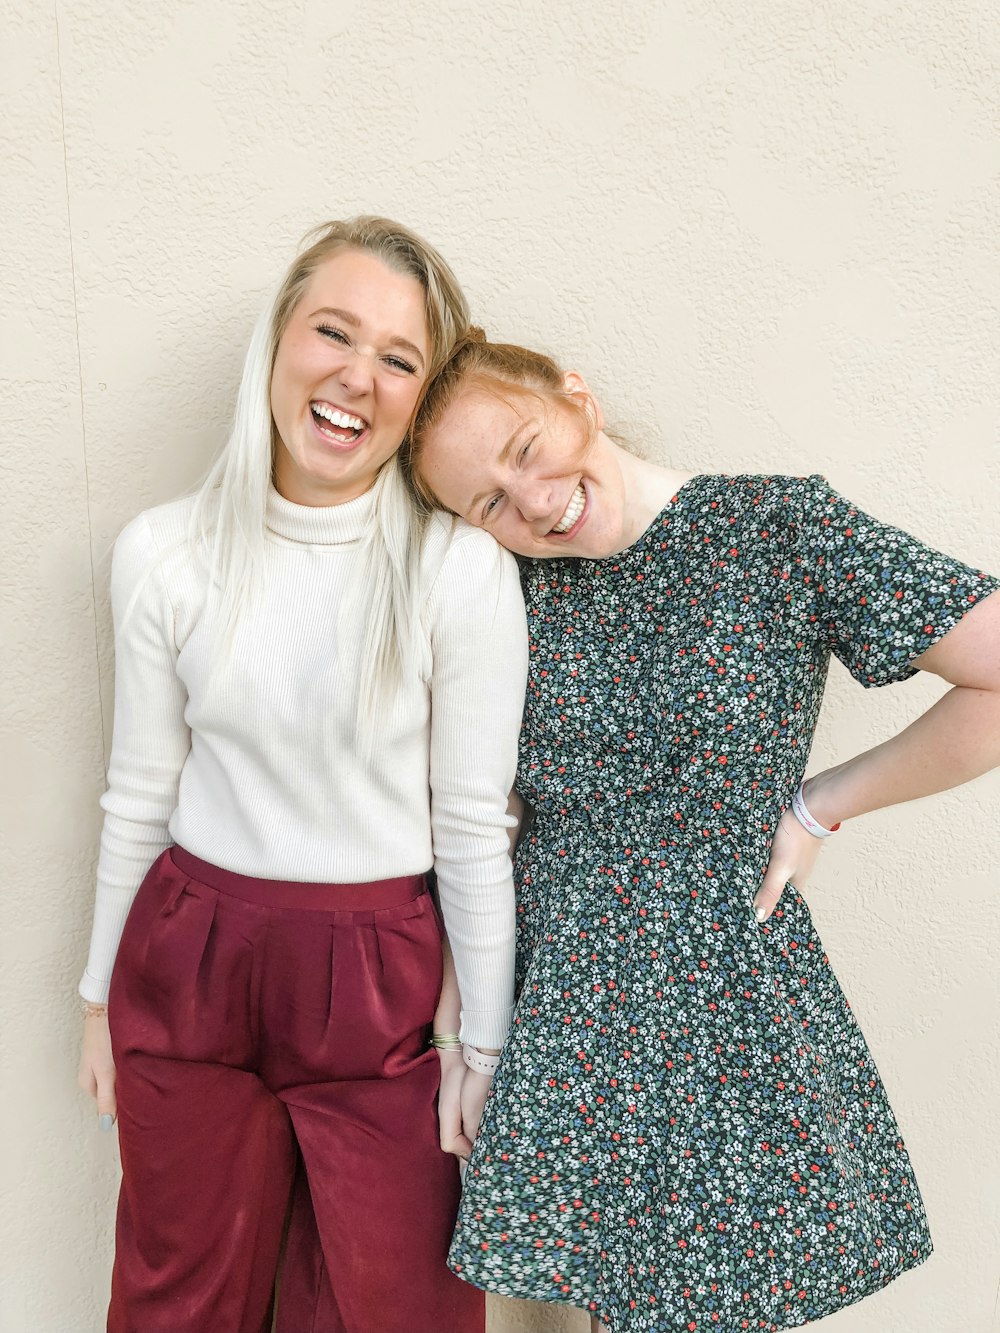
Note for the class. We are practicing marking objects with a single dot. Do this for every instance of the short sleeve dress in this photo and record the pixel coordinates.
(687, 1130)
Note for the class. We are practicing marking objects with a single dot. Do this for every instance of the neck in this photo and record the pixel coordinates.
(648, 489)
(314, 493)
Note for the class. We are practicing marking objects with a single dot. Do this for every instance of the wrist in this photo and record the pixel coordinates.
(480, 1062)
(820, 796)
(446, 1041)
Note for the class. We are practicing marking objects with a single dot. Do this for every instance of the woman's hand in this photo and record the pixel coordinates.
(97, 1067)
(475, 1087)
(462, 1092)
(793, 855)
(957, 739)
(453, 1073)
(461, 1099)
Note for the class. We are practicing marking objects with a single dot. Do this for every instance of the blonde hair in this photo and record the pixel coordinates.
(228, 521)
(501, 369)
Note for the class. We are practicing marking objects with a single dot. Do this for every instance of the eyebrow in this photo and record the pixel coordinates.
(354, 320)
(501, 458)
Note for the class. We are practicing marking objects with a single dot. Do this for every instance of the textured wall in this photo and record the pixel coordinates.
(766, 231)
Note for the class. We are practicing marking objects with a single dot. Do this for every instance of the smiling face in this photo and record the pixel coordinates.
(347, 374)
(532, 470)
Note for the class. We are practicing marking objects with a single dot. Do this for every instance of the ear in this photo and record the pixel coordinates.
(576, 385)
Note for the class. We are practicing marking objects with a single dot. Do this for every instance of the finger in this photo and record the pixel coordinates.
(107, 1104)
(450, 1124)
(449, 1113)
(450, 1133)
(768, 894)
(458, 1145)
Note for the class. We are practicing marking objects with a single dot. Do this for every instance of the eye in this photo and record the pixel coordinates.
(524, 452)
(490, 507)
(334, 334)
(398, 363)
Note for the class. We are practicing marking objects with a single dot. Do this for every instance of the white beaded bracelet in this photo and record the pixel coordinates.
(801, 813)
(476, 1060)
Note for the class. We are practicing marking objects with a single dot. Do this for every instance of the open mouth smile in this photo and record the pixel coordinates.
(573, 514)
(336, 425)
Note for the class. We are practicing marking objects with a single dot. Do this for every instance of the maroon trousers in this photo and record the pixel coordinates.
(269, 1039)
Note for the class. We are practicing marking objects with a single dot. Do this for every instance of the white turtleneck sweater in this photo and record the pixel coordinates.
(254, 765)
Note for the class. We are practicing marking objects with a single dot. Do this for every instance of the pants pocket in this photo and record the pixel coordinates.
(181, 984)
(385, 982)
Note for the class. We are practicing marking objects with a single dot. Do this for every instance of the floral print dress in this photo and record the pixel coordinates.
(687, 1130)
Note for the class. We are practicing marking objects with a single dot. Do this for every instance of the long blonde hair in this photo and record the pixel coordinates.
(228, 520)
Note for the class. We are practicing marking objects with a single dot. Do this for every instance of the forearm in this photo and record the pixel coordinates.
(448, 1014)
(480, 651)
(152, 741)
(956, 740)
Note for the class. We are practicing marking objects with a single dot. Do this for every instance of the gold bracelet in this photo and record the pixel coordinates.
(91, 1009)
(446, 1041)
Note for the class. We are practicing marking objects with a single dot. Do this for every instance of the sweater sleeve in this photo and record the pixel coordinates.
(151, 742)
(479, 645)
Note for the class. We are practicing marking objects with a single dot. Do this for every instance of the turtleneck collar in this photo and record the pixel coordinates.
(322, 525)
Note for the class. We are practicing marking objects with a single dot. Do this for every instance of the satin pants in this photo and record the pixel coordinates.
(275, 1092)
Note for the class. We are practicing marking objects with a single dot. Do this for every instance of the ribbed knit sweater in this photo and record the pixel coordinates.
(251, 762)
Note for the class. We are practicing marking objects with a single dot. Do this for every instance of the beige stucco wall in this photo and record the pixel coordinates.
(766, 230)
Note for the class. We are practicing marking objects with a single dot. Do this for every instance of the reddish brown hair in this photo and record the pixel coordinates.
(503, 369)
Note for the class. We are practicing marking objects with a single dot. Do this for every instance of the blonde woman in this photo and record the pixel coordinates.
(317, 700)
(687, 1130)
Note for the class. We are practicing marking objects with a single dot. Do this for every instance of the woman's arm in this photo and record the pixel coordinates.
(447, 1019)
(448, 1014)
(151, 736)
(955, 740)
(479, 664)
(463, 1091)
(151, 742)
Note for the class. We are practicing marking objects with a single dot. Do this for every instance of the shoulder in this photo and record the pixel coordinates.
(152, 554)
(456, 551)
(749, 491)
(472, 582)
(762, 504)
(155, 531)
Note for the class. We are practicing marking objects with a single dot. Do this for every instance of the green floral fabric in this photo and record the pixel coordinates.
(687, 1130)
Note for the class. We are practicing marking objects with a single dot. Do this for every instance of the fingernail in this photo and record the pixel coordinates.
(105, 1123)
(760, 913)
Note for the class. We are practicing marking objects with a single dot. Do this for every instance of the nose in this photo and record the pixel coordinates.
(357, 374)
(534, 501)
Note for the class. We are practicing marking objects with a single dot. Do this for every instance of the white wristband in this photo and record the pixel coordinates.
(482, 1064)
(801, 813)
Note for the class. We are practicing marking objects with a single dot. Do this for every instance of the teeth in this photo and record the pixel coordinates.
(342, 419)
(573, 510)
